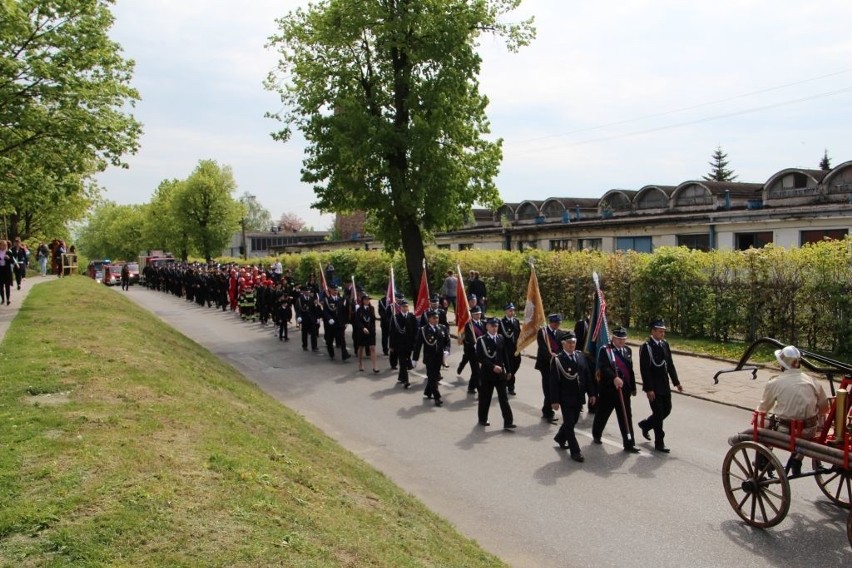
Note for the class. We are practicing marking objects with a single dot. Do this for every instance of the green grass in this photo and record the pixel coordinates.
(124, 443)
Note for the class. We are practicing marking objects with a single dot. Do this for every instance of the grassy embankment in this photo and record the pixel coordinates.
(124, 443)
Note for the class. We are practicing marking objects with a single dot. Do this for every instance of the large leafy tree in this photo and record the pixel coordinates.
(386, 94)
(113, 231)
(64, 98)
(206, 208)
(162, 228)
(719, 167)
(257, 217)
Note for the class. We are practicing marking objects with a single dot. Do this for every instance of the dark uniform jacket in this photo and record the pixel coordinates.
(547, 345)
(403, 330)
(308, 309)
(570, 381)
(472, 332)
(442, 318)
(656, 366)
(491, 353)
(433, 342)
(612, 363)
(510, 329)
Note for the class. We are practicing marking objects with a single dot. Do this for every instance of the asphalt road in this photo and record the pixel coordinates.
(514, 492)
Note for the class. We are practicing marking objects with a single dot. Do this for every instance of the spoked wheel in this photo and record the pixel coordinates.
(756, 485)
(835, 482)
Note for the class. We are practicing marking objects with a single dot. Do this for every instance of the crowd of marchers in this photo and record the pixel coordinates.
(344, 315)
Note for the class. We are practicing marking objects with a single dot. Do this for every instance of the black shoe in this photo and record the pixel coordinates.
(458, 370)
(345, 356)
(509, 426)
(631, 450)
(596, 441)
(484, 423)
(562, 444)
(471, 391)
(511, 392)
(550, 418)
(394, 369)
(429, 396)
(407, 386)
(439, 402)
(645, 430)
(315, 349)
(578, 458)
(662, 449)
(286, 339)
(796, 466)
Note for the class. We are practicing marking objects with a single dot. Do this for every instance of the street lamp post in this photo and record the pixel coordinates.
(247, 197)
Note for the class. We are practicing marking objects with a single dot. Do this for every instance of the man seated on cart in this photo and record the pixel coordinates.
(793, 395)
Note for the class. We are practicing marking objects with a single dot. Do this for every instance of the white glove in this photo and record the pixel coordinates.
(298, 320)
(446, 353)
(330, 322)
(414, 363)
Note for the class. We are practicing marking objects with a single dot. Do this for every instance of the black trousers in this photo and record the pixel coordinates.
(546, 410)
(606, 403)
(488, 382)
(309, 330)
(385, 336)
(403, 357)
(470, 357)
(433, 375)
(661, 407)
(570, 415)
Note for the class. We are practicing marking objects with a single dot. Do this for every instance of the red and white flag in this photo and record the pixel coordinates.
(462, 307)
(422, 294)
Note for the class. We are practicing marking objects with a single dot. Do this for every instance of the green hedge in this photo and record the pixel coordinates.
(799, 295)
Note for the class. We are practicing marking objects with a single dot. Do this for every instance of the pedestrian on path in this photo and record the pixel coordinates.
(19, 261)
(615, 386)
(5, 273)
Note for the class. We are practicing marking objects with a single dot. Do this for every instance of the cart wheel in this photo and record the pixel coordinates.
(835, 482)
(760, 494)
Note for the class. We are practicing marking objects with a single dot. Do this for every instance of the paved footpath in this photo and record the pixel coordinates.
(514, 492)
(8, 312)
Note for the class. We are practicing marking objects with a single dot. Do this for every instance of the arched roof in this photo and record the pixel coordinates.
(528, 210)
(507, 209)
(653, 196)
(815, 175)
(844, 168)
(617, 199)
(553, 207)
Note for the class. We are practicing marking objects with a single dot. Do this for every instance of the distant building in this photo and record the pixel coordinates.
(793, 207)
(267, 243)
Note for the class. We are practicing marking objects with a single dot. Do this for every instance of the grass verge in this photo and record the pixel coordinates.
(124, 443)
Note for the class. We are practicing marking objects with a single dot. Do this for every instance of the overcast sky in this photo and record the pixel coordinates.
(611, 94)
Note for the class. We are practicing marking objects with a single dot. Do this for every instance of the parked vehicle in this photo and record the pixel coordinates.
(112, 275)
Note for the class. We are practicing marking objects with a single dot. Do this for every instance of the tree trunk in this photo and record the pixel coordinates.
(412, 246)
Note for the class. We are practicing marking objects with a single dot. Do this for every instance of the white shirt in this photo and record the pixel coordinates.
(277, 268)
(793, 395)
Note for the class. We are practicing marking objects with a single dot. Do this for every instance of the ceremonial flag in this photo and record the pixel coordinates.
(391, 293)
(353, 300)
(533, 313)
(422, 294)
(598, 328)
(323, 283)
(462, 307)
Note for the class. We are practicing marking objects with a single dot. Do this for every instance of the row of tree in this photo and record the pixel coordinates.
(195, 216)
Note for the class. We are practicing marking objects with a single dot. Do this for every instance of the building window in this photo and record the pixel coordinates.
(589, 244)
(527, 245)
(444, 247)
(820, 235)
(639, 244)
(653, 199)
(465, 246)
(745, 241)
(694, 242)
(562, 244)
(694, 195)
